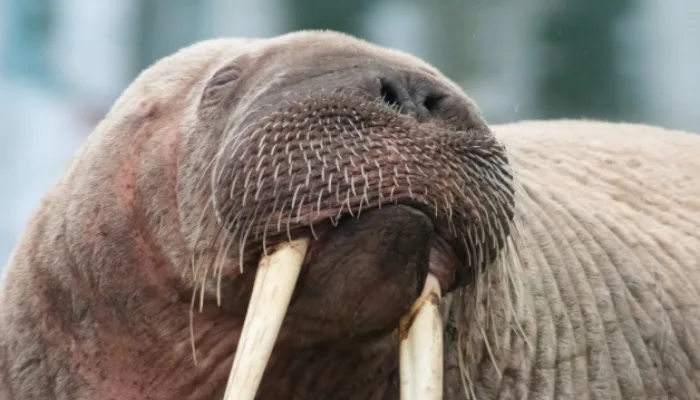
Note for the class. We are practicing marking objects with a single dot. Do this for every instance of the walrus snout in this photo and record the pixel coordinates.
(317, 158)
(385, 176)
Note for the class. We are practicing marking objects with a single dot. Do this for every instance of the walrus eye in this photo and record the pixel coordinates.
(220, 84)
(227, 76)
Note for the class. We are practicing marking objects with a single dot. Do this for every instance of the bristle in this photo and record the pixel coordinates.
(331, 153)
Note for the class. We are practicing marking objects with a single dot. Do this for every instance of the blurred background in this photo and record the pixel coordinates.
(63, 62)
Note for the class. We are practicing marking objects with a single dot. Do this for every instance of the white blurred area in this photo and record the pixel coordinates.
(63, 62)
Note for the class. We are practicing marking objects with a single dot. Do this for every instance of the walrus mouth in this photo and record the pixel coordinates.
(420, 330)
(315, 161)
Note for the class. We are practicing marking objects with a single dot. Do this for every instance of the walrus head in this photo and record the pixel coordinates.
(382, 162)
(379, 170)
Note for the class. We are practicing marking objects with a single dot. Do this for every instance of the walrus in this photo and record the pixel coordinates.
(133, 278)
(312, 216)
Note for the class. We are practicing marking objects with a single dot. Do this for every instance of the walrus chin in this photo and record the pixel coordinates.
(421, 329)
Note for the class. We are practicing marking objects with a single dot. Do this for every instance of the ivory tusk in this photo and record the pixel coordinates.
(421, 348)
(275, 280)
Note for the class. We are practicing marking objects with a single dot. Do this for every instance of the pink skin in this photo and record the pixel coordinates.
(97, 298)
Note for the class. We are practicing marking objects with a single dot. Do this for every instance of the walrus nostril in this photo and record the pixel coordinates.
(431, 102)
(390, 93)
(409, 100)
(395, 93)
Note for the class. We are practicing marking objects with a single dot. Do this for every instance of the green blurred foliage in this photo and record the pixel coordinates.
(580, 78)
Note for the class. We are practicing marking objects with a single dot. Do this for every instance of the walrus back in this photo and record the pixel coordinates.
(600, 300)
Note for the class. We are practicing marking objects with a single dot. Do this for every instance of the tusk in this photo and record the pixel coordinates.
(274, 284)
(421, 351)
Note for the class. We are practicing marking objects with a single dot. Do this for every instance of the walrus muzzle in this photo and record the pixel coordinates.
(306, 159)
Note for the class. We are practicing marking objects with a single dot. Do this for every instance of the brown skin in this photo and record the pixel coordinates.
(213, 156)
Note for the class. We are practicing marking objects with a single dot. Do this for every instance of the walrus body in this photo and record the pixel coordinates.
(602, 298)
(570, 250)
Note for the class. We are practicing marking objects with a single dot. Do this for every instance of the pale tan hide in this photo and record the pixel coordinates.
(606, 287)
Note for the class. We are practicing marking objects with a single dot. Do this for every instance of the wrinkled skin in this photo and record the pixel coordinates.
(609, 276)
(592, 296)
